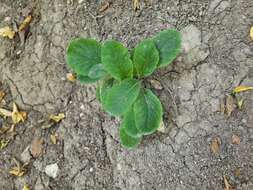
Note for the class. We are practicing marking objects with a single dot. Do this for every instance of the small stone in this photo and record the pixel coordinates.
(52, 170)
(156, 84)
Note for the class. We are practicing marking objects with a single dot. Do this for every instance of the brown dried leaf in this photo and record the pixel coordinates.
(37, 147)
(18, 170)
(54, 138)
(237, 172)
(215, 145)
(236, 139)
(57, 118)
(227, 185)
(136, 5)
(239, 89)
(25, 23)
(7, 32)
(18, 116)
(2, 94)
(230, 105)
(71, 77)
(104, 7)
(156, 84)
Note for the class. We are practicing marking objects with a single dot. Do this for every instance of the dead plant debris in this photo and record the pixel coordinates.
(136, 5)
(227, 185)
(104, 7)
(71, 77)
(251, 32)
(37, 147)
(239, 89)
(18, 170)
(57, 118)
(25, 23)
(26, 187)
(2, 95)
(7, 32)
(18, 116)
(215, 145)
(230, 105)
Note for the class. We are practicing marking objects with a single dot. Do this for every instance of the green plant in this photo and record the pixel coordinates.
(120, 77)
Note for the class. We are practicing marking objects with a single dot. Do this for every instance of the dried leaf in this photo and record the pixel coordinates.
(18, 116)
(47, 125)
(237, 172)
(4, 143)
(136, 4)
(240, 103)
(156, 84)
(71, 77)
(25, 23)
(230, 106)
(251, 32)
(37, 147)
(215, 145)
(53, 138)
(104, 7)
(5, 113)
(7, 32)
(26, 187)
(239, 89)
(227, 185)
(18, 170)
(2, 94)
(236, 139)
(57, 118)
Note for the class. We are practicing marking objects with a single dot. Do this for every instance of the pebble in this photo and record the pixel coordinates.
(52, 170)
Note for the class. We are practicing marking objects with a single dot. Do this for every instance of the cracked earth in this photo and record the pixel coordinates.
(218, 56)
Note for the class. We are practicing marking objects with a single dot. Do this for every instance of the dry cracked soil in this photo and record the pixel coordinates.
(218, 56)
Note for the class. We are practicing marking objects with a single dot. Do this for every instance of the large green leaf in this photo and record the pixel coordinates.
(146, 58)
(116, 60)
(86, 79)
(128, 141)
(120, 97)
(102, 89)
(129, 125)
(83, 54)
(147, 112)
(97, 72)
(168, 43)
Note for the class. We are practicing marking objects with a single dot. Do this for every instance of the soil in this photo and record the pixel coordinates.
(88, 153)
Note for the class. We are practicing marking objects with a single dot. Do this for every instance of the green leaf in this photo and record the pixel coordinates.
(97, 72)
(105, 85)
(83, 54)
(168, 43)
(128, 141)
(146, 58)
(120, 97)
(86, 79)
(129, 125)
(148, 112)
(116, 60)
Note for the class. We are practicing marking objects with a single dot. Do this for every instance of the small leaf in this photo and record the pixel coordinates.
(102, 89)
(53, 138)
(97, 72)
(57, 118)
(239, 89)
(71, 77)
(37, 147)
(148, 112)
(83, 54)
(129, 125)
(18, 116)
(236, 139)
(146, 58)
(25, 23)
(26, 187)
(215, 145)
(86, 79)
(128, 141)
(7, 32)
(251, 33)
(116, 60)
(120, 97)
(230, 105)
(168, 43)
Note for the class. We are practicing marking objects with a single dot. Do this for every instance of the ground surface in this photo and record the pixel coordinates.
(88, 153)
